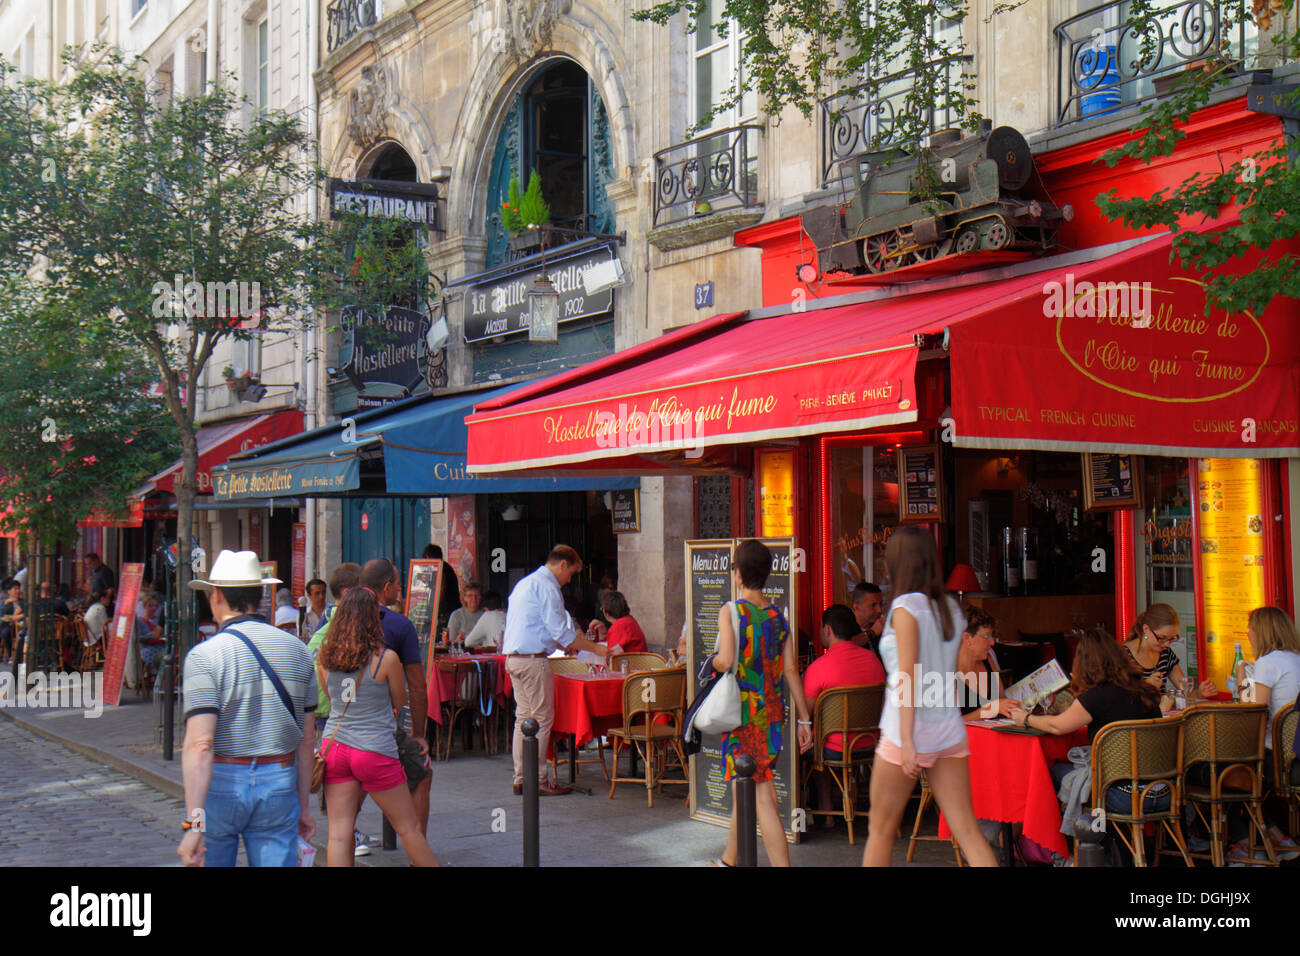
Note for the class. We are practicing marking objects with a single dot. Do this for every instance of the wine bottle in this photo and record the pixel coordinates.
(1010, 564)
(1029, 559)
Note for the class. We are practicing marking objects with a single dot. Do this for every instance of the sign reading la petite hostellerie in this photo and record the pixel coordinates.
(500, 306)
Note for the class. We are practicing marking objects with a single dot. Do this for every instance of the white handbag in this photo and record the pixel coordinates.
(720, 712)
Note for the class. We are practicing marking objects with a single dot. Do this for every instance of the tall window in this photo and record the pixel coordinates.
(717, 66)
(263, 64)
(137, 6)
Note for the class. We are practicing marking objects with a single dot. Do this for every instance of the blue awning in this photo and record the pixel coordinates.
(419, 444)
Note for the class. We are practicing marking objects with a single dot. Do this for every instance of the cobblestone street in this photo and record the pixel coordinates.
(58, 808)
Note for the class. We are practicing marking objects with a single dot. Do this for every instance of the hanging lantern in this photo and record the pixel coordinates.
(543, 311)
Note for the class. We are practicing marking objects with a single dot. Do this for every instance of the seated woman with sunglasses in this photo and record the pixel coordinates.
(1149, 642)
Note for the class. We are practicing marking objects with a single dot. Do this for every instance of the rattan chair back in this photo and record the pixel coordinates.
(1141, 754)
(1285, 722)
(649, 693)
(853, 711)
(637, 661)
(567, 665)
(1224, 734)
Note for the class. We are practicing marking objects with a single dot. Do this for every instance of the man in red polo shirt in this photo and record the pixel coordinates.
(844, 664)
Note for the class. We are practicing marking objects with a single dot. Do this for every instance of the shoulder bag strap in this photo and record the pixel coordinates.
(735, 637)
(269, 671)
(346, 704)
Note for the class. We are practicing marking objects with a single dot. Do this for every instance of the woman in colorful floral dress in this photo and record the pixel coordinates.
(767, 671)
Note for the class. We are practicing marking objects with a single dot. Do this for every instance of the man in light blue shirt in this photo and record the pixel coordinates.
(536, 626)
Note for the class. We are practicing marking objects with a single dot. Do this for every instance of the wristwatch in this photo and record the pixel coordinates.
(1025, 722)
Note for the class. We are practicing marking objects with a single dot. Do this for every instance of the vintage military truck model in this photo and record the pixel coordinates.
(980, 200)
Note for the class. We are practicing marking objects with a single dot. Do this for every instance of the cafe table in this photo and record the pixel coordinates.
(586, 705)
(1010, 781)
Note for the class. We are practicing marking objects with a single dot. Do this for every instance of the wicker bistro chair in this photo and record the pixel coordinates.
(1285, 785)
(1229, 740)
(647, 695)
(90, 658)
(571, 665)
(1146, 758)
(853, 712)
(464, 704)
(637, 661)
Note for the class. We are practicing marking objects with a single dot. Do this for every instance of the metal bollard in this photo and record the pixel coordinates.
(1091, 852)
(532, 848)
(746, 817)
(390, 836)
(169, 705)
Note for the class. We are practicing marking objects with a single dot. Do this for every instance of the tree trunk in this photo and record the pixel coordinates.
(185, 494)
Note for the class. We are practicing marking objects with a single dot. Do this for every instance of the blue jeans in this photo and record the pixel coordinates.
(261, 803)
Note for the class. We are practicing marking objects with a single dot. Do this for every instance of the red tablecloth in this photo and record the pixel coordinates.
(1010, 782)
(443, 687)
(587, 705)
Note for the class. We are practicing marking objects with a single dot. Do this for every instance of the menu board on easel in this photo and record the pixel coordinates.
(1110, 482)
(1230, 525)
(423, 591)
(920, 483)
(708, 588)
(118, 636)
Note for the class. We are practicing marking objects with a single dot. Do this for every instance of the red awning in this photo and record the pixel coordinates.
(218, 442)
(805, 373)
(1058, 362)
(1033, 366)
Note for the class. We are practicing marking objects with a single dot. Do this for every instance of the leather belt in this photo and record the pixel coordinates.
(262, 760)
(542, 654)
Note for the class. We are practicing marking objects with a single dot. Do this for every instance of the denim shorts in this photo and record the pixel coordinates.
(259, 803)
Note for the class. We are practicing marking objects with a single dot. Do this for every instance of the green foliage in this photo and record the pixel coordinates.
(530, 211)
(113, 193)
(797, 53)
(1265, 187)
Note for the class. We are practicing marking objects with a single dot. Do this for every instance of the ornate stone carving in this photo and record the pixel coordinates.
(526, 25)
(368, 105)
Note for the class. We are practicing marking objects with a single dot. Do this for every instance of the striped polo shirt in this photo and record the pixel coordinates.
(223, 677)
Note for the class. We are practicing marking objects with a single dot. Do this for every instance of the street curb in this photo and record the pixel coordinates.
(160, 783)
(155, 780)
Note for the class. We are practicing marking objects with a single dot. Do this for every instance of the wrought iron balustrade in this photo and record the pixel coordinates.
(1104, 62)
(715, 171)
(867, 118)
(346, 18)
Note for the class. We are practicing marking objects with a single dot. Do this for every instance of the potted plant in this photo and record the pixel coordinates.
(240, 382)
(526, 217)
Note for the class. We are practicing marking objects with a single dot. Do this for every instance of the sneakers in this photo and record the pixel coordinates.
(360, 848)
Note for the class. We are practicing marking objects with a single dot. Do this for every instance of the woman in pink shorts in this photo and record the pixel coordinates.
(365, 685)
(921, 725)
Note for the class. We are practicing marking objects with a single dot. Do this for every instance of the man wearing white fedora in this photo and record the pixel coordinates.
(250, 700)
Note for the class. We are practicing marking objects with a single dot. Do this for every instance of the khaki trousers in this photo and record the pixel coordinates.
(534, 686)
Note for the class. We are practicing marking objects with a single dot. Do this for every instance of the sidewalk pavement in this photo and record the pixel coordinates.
(474, 819)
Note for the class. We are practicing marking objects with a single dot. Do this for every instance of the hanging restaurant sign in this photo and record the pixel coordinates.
(416, 203)
(499, 306)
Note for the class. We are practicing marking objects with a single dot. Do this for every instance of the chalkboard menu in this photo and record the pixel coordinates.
(423, 591)
(708, 588)
(920, 483)
(267, 608)
(626, 510)
(1110, 482)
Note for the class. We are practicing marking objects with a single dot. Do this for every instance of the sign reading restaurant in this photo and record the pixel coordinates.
(415, 203)
(499, 306)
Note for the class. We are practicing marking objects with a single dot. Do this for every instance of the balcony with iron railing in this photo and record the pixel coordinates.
(1104, 63)
(345, 18)
(712, 173)
(867, 118)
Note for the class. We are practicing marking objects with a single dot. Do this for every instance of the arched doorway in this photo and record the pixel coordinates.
(557, 124)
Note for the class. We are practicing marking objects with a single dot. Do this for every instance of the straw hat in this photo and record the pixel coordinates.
(235, 569)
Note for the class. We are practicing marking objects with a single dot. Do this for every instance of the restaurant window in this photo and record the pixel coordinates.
(263, 64)
(713, 506)
(864, 513)
(1165, 538)
(715, 68)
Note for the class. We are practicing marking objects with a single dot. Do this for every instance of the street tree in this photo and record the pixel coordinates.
(167, 225)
